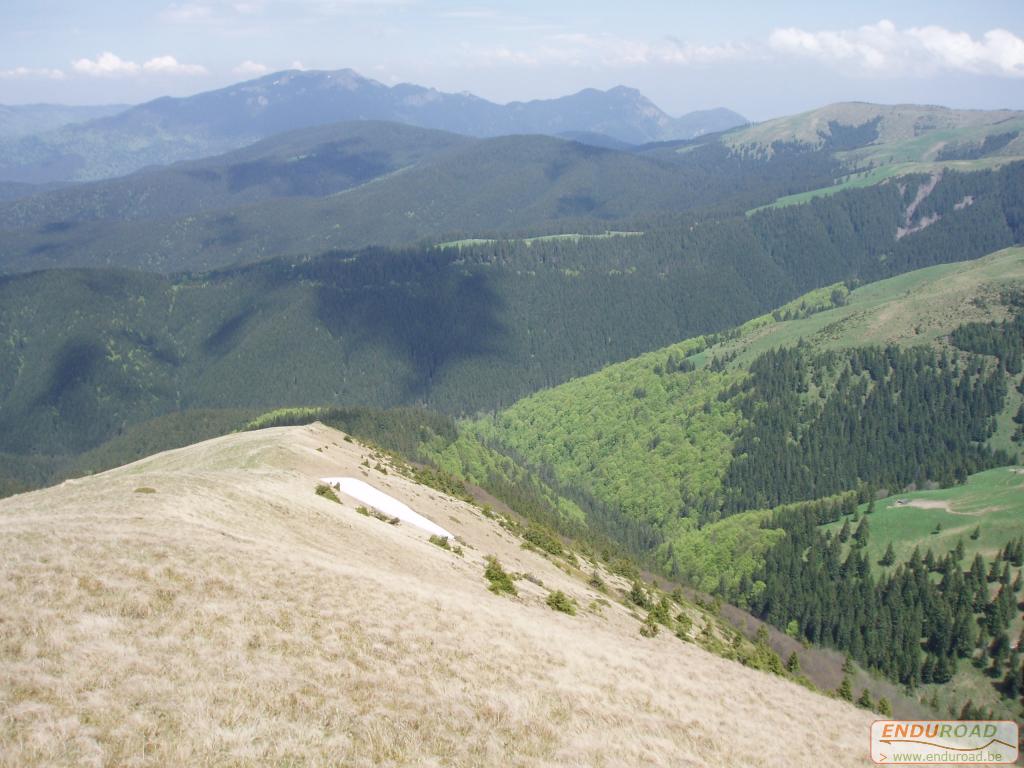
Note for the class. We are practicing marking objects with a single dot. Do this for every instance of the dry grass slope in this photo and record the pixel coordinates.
(232, 617)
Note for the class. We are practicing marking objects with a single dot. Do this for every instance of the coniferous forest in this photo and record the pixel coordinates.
(913, 624)
(806, 440)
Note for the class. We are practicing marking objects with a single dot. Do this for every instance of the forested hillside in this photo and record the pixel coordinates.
(805, 413)
(312, 162)
(456, 328)
(405, 185)
(208, 214)
(753, 418)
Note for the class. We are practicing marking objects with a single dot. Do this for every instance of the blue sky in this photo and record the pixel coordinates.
(762, 59)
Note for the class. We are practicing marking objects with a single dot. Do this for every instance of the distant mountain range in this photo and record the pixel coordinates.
(353, 185)
(309, 162)
(360, 183)
(168, 129)
(27, 119)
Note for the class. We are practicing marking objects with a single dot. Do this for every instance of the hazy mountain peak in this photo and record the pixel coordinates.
(167, 130)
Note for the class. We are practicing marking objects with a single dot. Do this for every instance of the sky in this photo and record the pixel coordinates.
(762, 59)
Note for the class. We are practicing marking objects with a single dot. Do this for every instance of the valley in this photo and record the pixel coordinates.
(351, 421)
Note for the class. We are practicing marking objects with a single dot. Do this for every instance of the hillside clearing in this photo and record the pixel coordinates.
(573, 237)
(991, 501)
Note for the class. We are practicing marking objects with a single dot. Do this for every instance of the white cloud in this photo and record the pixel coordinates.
(297, 65)
(249, 67)
(168, 65)
(998, 51)
(883, 49)
(107, 64)
(28, 72)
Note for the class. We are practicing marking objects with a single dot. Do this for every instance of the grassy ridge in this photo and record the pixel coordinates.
(919, 307)
(901, 132)
(908, 140)
(573, 237)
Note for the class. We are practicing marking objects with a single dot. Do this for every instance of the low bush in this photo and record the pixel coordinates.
(649, 628)
(500, 581)
(559, 601)
(543, 538)
(327, 492)
(370, 512)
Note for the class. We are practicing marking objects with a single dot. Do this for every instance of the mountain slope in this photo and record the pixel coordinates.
(168, 129)
(195, 572)
(656, 435)
(311, 162)
(874, 143)
(530, 185)
(735, 452)
(88, 353)
(27, 119)
(509, 184)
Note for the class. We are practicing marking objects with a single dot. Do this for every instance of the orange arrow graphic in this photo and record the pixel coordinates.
(890, 742)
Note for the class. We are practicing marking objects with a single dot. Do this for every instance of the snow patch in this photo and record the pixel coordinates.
(367, 494)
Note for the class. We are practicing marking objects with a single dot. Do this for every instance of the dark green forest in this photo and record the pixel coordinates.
(257, 203)
(88, 353)
(821, 424)
(912, 625)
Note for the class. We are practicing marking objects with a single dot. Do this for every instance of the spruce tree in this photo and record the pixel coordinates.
(861, 536)
(929, 560)
(844, 532)
(793, 664)
(889, 557)
(845, 689)
(943, 670)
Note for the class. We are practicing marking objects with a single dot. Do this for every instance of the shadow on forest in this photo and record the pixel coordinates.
(427, 309)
